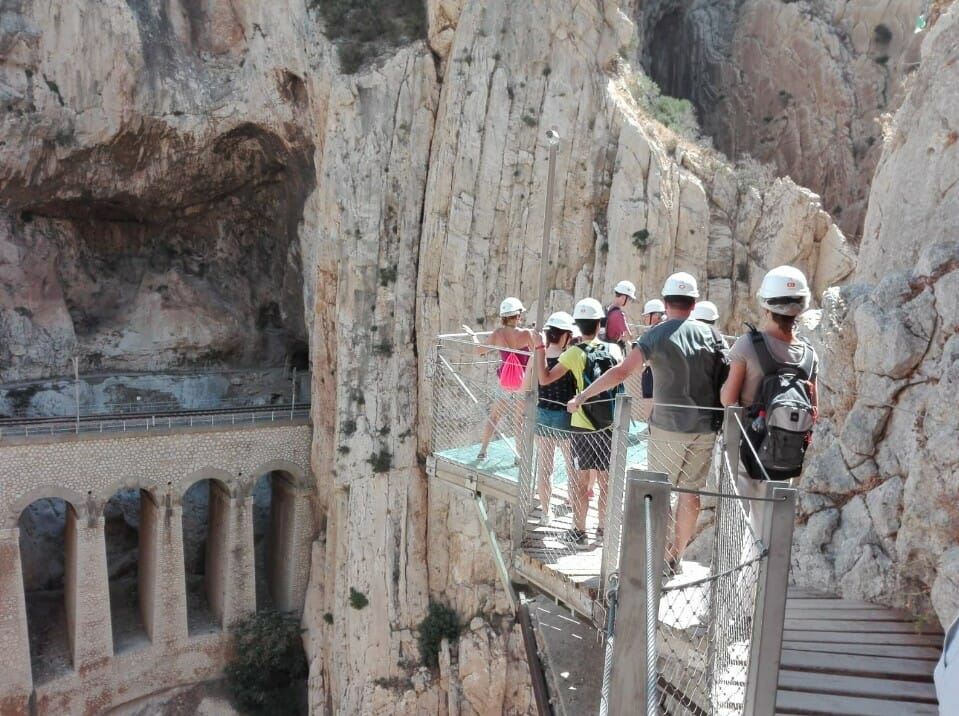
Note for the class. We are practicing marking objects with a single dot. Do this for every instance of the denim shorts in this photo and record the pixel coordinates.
(552, 423)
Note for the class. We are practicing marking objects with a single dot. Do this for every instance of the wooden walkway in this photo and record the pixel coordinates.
(847, 658)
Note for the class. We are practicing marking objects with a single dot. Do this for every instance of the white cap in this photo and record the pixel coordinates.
(654, 306)
(589, 308)
(626, 288)
(681, 284)
(561, 320)
(705, 311)
(511, 307)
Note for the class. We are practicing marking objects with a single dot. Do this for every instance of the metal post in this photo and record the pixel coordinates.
(633, 670)
(76, 388)
(293, 398)
(731, 436)
(526, 479)
(765, 653)
(612, 530)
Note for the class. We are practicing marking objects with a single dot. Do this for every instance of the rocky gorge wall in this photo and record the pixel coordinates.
(222, 189)
(879, 511)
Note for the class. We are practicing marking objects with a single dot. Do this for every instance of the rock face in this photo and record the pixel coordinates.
(801, 85)
(880, 522)
(199, 182)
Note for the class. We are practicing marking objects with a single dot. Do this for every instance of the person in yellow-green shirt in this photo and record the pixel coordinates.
(591, 447)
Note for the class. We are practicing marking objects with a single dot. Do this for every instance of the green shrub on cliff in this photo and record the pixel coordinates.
(267, 674)
(364, 27)
(676, 114)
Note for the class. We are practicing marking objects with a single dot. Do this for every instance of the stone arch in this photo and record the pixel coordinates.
(132, 483)
(47, 539)
(227, 481)
(75, 499)
(205, 498)
(279, 500)
(298, 475)
(129, 561)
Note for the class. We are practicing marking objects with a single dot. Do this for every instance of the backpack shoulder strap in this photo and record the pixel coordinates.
(808, 359)
(766, 361)
(718, 339)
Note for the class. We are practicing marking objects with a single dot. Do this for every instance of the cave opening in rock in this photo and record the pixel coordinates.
(273, 520)
(205, 521)
(156, 251)
(43, 556)
(124, 546)
(668, 56)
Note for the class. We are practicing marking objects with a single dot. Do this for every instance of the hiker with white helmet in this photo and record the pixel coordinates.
(654, 312)
(552, 420)
(616, 324)
(592, 443)
(683, 356)
(512, 367)
(705, 312)
(764, 363)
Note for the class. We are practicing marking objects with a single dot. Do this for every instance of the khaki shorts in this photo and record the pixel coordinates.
(685, 457)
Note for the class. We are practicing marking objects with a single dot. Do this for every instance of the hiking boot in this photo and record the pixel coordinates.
(672, 568)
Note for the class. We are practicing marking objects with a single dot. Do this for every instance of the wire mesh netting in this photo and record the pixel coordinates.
(709, 590)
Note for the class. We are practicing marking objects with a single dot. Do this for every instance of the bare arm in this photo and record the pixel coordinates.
(610, 379)
(729, 393)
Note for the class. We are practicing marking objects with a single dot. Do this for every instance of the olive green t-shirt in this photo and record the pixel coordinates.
(682, 355)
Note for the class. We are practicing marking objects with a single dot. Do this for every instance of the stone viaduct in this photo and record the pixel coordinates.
(175, 642)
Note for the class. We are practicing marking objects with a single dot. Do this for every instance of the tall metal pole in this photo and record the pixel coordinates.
(293, 398)
(553, 138)
(76, 388)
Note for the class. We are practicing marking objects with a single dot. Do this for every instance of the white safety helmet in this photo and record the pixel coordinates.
(590, 309)
(654, 306)
(784, 290)
(705, 311)
(626, 288)
(511, 307)
(681, 284)
(561, 320)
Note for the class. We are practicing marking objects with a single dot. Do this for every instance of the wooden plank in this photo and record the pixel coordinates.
(858, 626)
(879, 614)
(803, 593)
(892, 689)
(806, 704)
(836, 637)
(923, 653)
(808, 603)
(862, 665)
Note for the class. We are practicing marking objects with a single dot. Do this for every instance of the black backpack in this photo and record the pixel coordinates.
(780, 420)
(720, 373)
(599, 408)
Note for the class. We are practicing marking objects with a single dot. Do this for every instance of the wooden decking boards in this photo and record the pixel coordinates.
(847, 658)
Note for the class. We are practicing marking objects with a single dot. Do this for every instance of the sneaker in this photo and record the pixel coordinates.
(480, 457)
(672, 568)
(577, 538)
(545, 518)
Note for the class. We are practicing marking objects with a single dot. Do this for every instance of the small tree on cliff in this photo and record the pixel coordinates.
(267, 674)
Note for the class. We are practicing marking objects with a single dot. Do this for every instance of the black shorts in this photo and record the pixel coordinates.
(592, 449)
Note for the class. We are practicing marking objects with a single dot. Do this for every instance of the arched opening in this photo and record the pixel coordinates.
(43, 556)
(124, 548)
(205, 544)
(273, 540)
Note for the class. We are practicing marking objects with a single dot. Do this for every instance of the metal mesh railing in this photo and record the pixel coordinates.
(707, 600)
(571, 491)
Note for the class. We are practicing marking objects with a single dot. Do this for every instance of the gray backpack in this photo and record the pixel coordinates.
(780, 420)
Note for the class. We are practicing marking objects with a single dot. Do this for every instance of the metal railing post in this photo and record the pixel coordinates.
(634, 674)
(775, 520)
(526, 471)
(731, 437)
(613, 529)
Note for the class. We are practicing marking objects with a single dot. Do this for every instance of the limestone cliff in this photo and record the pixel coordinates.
(203, 181)
(798, 84)
(879, 520)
